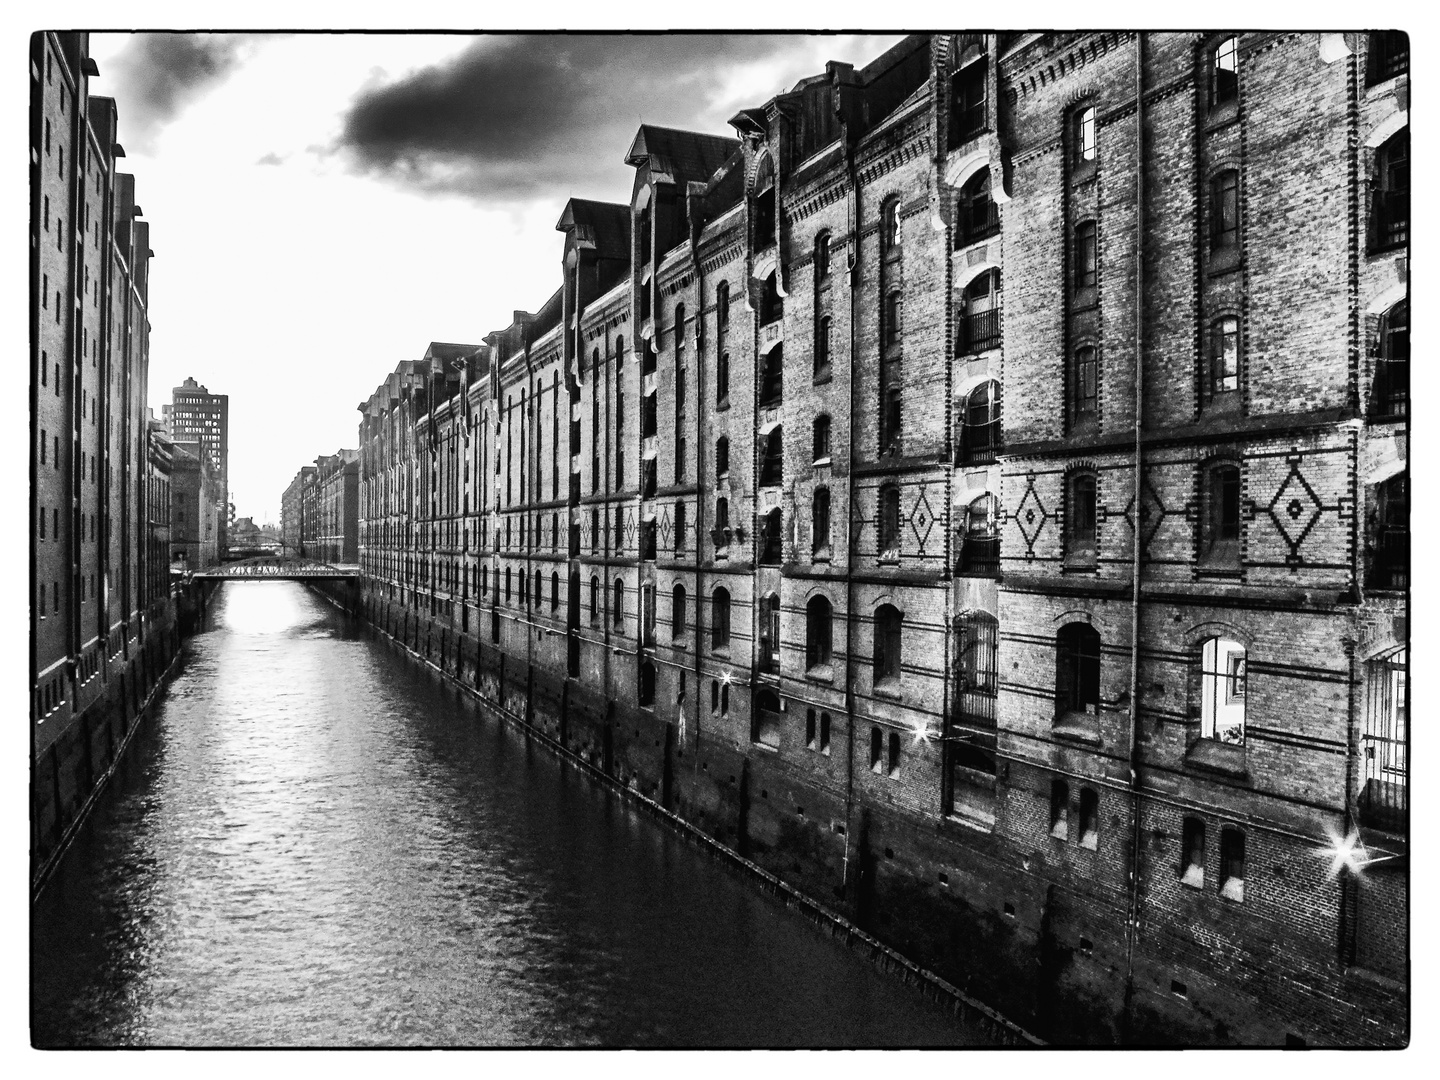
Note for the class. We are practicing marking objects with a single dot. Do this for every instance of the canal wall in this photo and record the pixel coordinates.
(1012, 934)
(72, 765)
(830, 861)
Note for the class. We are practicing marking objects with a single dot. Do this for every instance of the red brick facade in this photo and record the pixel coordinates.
(937, 711)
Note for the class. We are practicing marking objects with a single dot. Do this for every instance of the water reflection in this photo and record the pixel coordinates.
(319, 844)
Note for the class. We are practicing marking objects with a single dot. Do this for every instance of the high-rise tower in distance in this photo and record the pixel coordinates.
(198, 415)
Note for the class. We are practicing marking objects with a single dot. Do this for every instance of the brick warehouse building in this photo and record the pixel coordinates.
(784, 512)
(102, 627)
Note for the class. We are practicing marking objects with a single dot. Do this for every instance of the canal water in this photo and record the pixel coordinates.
(316, 842)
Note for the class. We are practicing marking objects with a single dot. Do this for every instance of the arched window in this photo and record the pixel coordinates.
(822, 347)
(1224, 80)
(647, 685)
(1080, 545)
(1222, 691)
(1391, 397)
(679, 326)
(822, 258)
(1232, 864)
(722, 381)
(766, 727)
(1089, 818)
(771, 544)
(977, 216)
(976, 676)
(1084, 388)
(877, 743)
(980, 314)
(892, 765)
(888, 623)
(677, 612)
(980, 437)
(889, 521)
(594, 600)
(554, 590)
(720, 618)
(617, 611)
(772, 464)
(680, 528)
(819, 618)
(890, 228)
(1083, 137)
(822, 438)
(980, 552)
(1077, 671)
(507, 585)
(722, 456)
(1390, 209)
(820, 523)
(1220, 523)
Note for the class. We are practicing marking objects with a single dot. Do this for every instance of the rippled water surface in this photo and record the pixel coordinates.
(317, 843)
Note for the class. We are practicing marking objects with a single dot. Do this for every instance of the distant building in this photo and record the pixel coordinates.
(198, 509)
(196, 415)
(159, 479)
(337, 500)
(292, 511)
(245, 534)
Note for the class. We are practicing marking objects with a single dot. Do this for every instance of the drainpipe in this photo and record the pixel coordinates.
(853, 276)
(1133, 907)
(693, 210)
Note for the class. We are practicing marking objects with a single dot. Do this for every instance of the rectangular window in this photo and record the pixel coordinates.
(967, 117)
(1224, 355)
(1085, 390)
(1232, 864)
(1192, 857)
(1085, 255)
(1084, 136)
(1225, 211)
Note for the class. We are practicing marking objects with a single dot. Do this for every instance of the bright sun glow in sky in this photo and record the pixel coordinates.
(294, 281)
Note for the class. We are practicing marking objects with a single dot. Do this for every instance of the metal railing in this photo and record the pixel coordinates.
(979, 331)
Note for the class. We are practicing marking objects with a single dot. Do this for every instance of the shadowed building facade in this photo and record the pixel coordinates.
(975, 491)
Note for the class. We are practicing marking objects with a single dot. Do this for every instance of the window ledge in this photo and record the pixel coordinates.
(821, 378)
(1222, 116)
(888, 559)
(1223, 261)
(1078, 727)
(821, 462)
(889, 688)
(820, 673)
(1087, 298)
(1084, 172)
(1077, 565)
(1193, 877)
(1214, 756)
(821, 556)
(1233, 889)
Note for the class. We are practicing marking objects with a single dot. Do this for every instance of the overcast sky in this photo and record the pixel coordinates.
(323, 206)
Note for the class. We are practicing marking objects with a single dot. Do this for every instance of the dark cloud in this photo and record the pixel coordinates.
(157, 75)
(517, 116)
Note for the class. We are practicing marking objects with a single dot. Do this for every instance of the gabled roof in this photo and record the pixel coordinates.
(685, 155)
(606, 225)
